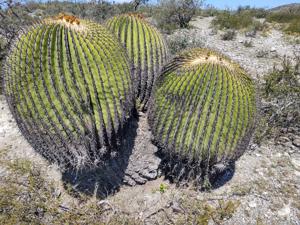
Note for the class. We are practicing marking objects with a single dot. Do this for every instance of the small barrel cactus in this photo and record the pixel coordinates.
(201, 112)
(68, 85)
(146, 49)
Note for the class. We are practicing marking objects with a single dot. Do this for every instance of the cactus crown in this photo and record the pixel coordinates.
(202, 108)
(146, 49)
(73, 20)
(69, 87)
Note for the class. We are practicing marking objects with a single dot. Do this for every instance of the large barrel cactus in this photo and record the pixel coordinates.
(201, 113)
(146, 49)
(68, 85)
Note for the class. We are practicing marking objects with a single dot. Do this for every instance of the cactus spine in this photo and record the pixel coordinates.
(68, 85)
(201, 112)
(146, 49)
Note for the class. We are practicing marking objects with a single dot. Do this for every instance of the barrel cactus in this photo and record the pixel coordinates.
(201, 113)
(146, 49)
(68, 84)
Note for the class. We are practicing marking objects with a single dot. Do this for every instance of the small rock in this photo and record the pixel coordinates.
(176, 207)
(283, 139)
(285, 211)
(296, 142)
(296, 163)
(292, 130)
(251, 33)
(104, 204)
(252, 204)
(273, 49)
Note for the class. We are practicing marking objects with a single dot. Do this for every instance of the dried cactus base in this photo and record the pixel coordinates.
(184, 173)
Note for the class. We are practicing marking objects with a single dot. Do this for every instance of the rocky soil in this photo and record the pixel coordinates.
(264, 188)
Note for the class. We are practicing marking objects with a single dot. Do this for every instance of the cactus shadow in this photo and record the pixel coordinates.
(223, 177)
(107, 179)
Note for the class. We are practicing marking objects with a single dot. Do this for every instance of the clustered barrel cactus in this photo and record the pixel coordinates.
(71, 87)
(201, 111)
(68, 84)
(146, 49)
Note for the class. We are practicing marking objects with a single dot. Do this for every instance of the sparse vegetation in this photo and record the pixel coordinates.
(184, 40)
(228, 35)
(236, 20)
(174, 14)
(201, 212)
(280, 112)
(27, 198)
(248, 44)
(290, 20)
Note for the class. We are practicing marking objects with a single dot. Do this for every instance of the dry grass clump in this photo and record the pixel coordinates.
(280, 109)
(26, 197)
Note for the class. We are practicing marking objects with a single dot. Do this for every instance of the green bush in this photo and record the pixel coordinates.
(242, 19)
(254, 12)
(68, 84)
(174, 14)
(293, 27)
(230, 20)
(201, 113)
(184, 39)
(289, 18)
(282, 17)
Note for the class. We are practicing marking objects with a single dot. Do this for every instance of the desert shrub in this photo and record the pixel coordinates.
(184, 39)
(283, 17)
(230, 20)
(208, 11)
(200, 115)
(228, 35)
(248, 44)
(280, 109)
(259, 13)
(242, 19)
(254, 12)
(289, 19)
(293, 27)
(205, 213)
(173, 14)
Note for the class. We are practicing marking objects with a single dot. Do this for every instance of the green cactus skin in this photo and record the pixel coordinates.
(146, 49)
(202, 111)
(69, 87)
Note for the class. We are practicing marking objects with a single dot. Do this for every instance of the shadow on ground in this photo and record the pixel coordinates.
(107, 179)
